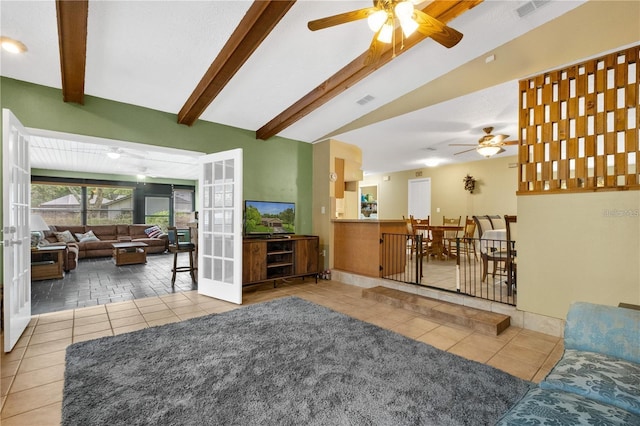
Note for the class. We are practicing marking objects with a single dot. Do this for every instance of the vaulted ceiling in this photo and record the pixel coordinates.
(256, 66)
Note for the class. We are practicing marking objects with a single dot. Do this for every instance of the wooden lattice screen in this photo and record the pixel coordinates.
(579, 127)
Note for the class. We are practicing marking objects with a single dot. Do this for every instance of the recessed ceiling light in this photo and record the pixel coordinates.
(432, 162)
(12, 46)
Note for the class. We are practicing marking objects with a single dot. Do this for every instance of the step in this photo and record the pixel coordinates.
(476, 319)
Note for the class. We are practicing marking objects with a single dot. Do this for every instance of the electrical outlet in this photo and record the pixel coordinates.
(322, 210)
(438, 210)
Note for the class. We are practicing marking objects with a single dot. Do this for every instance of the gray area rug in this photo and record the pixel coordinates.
(284, 362)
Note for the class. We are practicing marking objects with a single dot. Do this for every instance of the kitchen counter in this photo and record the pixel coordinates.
(357, 247)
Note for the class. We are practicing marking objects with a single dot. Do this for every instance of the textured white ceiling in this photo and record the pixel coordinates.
(153, 53)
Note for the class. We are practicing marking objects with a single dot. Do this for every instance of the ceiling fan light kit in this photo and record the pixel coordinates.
(488, 151)
(12, 46)
(488, 145)
(376, 20)
(382, 19)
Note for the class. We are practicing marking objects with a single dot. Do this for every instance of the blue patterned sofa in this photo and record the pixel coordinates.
(597, 380)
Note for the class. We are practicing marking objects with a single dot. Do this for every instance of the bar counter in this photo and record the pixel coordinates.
(357, 245)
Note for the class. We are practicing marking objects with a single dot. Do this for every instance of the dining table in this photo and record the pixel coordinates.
(437, 236)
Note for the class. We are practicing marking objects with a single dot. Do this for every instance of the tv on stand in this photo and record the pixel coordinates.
(266, 219)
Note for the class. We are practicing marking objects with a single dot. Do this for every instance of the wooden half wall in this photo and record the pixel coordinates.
(579, 127)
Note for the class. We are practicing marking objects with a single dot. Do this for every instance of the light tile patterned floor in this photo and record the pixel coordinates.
(33, 373)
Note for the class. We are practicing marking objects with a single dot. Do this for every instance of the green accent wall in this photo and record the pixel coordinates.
(278, 169)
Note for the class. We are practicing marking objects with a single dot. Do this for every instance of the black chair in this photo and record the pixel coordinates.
(176, 246)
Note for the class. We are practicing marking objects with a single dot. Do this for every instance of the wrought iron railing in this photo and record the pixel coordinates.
(461, 271)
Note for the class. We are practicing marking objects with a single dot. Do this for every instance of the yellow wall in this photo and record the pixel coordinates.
(495, 191)
(324, 201)
(578, 247)
(571, 247)
(321, 200)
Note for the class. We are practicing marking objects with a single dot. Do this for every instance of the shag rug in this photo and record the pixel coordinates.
(283, 362)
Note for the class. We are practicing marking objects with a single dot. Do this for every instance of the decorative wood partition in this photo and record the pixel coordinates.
(579, 127)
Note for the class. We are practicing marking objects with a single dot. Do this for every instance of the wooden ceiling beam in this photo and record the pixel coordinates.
(256, 25)
(72, 38)
(357, 70)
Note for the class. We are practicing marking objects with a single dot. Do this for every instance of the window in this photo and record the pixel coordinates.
(68, 204)
(109, 206)
(70, 201)
(57, 204)
(182, 207)
(156, 211)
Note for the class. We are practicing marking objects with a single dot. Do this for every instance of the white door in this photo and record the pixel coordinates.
(220, 226)
(16, 238)
(420, 198)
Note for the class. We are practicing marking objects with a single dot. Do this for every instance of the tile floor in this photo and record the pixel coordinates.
(33, 373)
(98, 281)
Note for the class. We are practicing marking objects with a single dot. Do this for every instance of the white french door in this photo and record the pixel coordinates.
(16, 239)
(220, 226)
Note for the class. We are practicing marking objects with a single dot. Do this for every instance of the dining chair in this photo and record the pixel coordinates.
(512, 257)
(467, 243)
(450, 236)
(176, 246)
(411, 236)
(494, 251)
(497, 222)
(483, 223)
(419, 226)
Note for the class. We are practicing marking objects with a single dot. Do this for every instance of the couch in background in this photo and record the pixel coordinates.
(96, 240)
(597, 380)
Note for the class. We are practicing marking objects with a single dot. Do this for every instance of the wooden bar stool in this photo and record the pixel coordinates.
(176, 246)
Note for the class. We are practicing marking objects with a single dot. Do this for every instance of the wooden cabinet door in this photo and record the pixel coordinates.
(254, 261)
(307, 252)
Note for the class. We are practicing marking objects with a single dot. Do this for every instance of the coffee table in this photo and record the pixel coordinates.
(129, 253)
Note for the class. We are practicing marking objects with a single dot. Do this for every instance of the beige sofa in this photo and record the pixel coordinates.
(106, 235)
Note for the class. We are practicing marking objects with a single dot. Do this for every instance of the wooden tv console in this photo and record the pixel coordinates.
(269, 259)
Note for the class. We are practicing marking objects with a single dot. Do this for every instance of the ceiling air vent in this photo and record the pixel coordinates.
(365, 100)
(530, 7)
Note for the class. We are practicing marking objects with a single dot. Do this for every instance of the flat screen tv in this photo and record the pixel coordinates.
(269, 217)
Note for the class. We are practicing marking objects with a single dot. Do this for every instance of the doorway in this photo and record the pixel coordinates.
(369, 201)
(97, 281)
(419, 198)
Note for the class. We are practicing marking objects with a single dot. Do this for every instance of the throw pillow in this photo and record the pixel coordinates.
(153, 232)
(65, 237)
(87, 236)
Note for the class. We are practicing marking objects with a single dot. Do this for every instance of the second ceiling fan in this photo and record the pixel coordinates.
(382, 18)
(487, 145)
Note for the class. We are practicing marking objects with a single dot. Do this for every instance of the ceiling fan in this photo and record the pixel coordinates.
(488, 145)
(382, 18)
